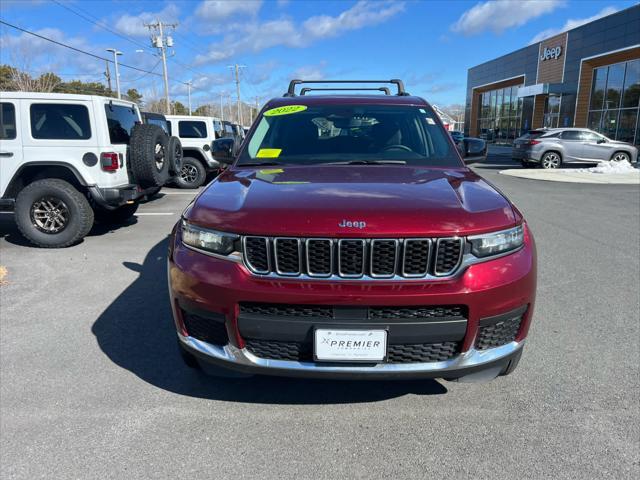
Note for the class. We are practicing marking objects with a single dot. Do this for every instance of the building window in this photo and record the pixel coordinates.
(500, 115)
(615, 101)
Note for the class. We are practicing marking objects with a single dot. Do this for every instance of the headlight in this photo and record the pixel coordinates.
(496, 243)
(209, 240)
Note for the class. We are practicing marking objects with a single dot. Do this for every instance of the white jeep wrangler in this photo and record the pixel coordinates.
(67, 159)
(196, 134)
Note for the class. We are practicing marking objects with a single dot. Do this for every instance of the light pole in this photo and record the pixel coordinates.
(115, 61)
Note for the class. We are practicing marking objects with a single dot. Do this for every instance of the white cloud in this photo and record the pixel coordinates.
(221, 9)
(572, 23)
(500, 15)
(284, 32)
(133, 25)
(310, 72)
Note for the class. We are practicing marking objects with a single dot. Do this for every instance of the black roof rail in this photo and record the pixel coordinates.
(291, 92)
(379, 89)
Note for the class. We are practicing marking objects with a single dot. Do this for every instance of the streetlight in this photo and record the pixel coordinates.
(115, 61)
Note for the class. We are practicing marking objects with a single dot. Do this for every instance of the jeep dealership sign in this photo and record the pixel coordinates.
(549, 53)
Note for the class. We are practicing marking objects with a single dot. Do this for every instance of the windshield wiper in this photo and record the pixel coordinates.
(259, 164)
(370, 162)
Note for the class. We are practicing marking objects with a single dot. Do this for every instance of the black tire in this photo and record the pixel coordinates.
(117, 216)
(192, 174)
(67, 216)
(149, 157)
(175, 155)
(620, 157)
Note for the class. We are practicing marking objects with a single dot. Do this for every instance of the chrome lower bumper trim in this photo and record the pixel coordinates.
(243, 358)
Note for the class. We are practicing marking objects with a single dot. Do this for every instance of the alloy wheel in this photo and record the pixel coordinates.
(551, 160)
(189, 173)
(50, 214)
(620, 157)
(159, 156)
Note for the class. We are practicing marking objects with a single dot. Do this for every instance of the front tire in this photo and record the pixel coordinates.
(551, 160)
(192, 174)
(621, 157)
(52, 213)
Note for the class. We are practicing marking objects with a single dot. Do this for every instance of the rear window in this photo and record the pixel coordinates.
(346, 133)
(192, 129)
(51, 121)
(121, 121)
(7, 121)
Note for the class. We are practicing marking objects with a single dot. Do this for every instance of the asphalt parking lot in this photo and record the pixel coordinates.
(91, 384)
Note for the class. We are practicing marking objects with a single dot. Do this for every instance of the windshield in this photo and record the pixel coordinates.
(304, 135)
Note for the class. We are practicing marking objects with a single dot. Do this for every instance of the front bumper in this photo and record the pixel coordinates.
(487, 290)
(488, 362)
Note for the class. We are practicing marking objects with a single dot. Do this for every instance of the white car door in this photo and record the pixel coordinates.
(10, 142)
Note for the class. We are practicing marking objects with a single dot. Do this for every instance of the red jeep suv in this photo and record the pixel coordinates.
(347, 239)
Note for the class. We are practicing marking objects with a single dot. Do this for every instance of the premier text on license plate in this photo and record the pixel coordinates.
(350, 345)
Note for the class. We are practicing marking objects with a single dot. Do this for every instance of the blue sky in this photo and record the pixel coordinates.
(430, 44)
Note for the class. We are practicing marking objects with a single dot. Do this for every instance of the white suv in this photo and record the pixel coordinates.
(196, 134)
(67, 159)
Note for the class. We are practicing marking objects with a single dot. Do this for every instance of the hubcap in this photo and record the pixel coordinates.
(189, 173)
(551, 160)
(619, 157)
(50, 214)
(159, 156)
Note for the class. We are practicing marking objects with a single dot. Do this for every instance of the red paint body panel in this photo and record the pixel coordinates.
(394, 201)
(488, 289)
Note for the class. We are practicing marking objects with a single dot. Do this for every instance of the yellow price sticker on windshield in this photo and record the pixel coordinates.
(269, 153)
(286, 110)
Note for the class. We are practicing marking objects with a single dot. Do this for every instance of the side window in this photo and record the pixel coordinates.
(121, 120)
(571, 135)
(7, 121)
(58, 121)
(190, 129)
(590, 137)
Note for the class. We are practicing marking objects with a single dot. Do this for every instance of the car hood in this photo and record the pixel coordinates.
(367, 200)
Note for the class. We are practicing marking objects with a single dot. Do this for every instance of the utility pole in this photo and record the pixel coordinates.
(189, 93)
(161, 42)
(257, 109)
(116, 53)
(107, 74)
(222, 94)
(236, 68)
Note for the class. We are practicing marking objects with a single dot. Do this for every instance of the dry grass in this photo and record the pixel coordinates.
(3, 275)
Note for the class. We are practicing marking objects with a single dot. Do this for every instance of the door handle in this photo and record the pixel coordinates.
(6, 154)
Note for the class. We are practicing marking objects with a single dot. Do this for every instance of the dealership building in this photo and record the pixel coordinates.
(585, 77)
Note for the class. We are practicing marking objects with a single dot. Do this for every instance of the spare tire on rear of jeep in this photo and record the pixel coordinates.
(149, 155)
(175, 155)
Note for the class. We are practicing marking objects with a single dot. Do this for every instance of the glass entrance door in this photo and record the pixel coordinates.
(551, 111)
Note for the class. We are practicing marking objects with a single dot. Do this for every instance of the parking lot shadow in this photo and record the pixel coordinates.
(137, 333)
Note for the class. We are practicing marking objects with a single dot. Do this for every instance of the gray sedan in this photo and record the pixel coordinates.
(568, 145)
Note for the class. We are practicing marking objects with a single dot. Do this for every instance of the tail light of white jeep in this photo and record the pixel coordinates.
(109, 161)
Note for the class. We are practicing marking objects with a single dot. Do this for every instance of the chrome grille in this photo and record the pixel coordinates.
(353, 258)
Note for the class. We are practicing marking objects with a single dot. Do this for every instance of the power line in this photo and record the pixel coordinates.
(42, 37)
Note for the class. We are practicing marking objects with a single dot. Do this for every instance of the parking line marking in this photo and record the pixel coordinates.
(154, 213)
(182, 193)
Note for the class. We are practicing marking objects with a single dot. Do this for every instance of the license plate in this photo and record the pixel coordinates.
(350, 345)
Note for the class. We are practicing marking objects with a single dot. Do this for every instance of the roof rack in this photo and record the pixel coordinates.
(291, 92)
(379, 89)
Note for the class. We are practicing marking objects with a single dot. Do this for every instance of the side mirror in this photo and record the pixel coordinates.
(602, 140)
(222, 150)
